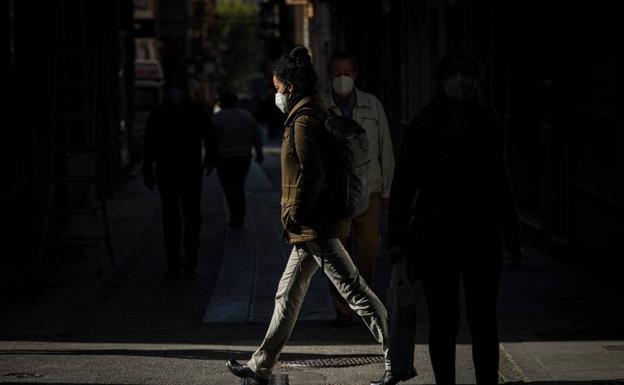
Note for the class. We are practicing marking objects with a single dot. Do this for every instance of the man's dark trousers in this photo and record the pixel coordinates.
(181, 216)
(232, 172)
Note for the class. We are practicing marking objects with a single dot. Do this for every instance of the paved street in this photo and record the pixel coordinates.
(132, 325)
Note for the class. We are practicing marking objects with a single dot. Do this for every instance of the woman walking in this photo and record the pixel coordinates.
(308, 224)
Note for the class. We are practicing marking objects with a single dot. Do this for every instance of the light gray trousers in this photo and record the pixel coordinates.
(303, 262)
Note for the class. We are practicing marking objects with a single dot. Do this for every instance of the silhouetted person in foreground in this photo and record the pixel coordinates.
(176, 135)
(451, 203)
(237, 132)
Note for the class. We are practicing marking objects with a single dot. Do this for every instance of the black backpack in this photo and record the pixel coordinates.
(346, 160)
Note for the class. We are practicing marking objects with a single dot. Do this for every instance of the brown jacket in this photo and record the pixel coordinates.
(303, 176)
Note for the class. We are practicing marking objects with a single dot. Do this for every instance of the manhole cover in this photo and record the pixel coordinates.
(336, 362)
(23, 375)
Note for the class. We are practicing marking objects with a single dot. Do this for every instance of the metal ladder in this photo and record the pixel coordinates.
(75, 215)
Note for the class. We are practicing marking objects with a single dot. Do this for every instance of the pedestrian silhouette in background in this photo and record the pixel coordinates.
(451, 198)
(347, 100)
(269, 114)
(237, 132)
(179, 144)
(309, 222)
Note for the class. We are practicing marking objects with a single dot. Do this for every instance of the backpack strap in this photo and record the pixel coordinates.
(290, 125)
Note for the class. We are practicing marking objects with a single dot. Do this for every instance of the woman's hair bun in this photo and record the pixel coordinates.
(301, 56)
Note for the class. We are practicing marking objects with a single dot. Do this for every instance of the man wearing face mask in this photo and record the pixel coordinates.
(452, 212)
(347, 100)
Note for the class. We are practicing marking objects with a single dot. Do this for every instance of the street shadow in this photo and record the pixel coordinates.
(321, 332)
(557, 304)
(595, 382)
(201, 354)
(591, 382)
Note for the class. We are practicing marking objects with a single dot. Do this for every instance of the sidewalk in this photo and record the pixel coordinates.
(254, 259)
(134, 326)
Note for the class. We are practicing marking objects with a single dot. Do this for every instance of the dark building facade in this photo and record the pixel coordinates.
(550, 74)
(71, 67)
(47, 41)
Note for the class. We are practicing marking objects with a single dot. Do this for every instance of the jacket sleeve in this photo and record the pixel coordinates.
(386, 152)
(406, 182)
(312, 176)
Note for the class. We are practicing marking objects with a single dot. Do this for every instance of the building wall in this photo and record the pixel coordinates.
(550, 74)
(36, 37)
(185, 38)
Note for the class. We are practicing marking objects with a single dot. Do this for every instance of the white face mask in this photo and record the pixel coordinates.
(280, 101)
(343, 85)
(460, 87)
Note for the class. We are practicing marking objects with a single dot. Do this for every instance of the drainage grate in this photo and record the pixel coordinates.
(23, 375)
(336, 362)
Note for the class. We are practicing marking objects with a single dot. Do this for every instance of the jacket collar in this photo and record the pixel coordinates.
(301, 103)
(360, 101)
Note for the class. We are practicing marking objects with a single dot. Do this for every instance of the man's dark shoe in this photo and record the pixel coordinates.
(387, 379)
(243, 371)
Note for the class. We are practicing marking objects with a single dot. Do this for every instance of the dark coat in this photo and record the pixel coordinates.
(452, 192)
(174, 138)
